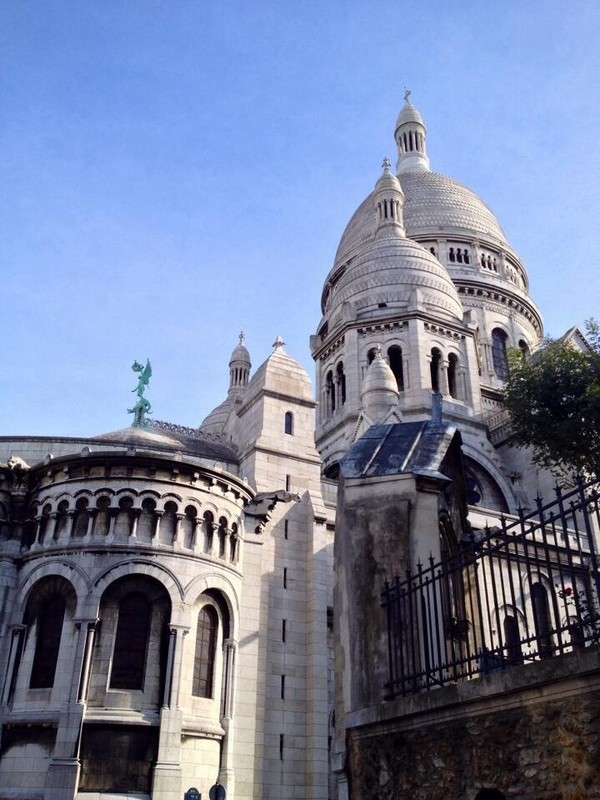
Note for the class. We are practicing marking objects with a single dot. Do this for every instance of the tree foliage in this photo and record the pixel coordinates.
(554, 401)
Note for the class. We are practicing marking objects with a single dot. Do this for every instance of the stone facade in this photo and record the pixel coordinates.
(166, 603)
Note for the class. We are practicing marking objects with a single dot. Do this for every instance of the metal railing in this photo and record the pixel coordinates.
(524, 590)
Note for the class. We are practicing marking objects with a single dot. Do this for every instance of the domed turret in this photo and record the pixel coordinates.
(239, 372)
(410, 137)
(388, 199)
(239, 366)
(380, 389)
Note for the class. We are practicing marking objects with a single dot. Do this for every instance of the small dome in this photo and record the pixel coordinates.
(388, 182)
(240, 353)
(379, 376)
(380, 390)
(396, 274)
(214, 423)
(409, 114)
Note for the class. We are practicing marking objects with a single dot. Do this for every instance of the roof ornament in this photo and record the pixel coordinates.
(242, 337)
(407, 94)
(386, 164)
(278, 343)
(142, 407)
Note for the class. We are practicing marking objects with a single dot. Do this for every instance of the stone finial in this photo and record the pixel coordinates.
(386, 164)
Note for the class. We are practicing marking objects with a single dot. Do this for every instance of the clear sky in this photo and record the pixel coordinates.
(175, 171)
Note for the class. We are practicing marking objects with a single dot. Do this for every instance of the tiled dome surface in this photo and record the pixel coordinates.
(433, 204)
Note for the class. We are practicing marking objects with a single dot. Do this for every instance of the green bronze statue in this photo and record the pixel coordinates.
(142, 407)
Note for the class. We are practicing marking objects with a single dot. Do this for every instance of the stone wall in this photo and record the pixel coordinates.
(531, 743)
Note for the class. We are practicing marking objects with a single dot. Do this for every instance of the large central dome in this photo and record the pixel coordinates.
(433, 205)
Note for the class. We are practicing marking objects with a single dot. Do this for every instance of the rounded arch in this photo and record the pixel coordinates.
(500, 343)
(128, 492)
(169, 497)
(104, 490)
(141, 567)
(480, 467)
(209, 505)
(49, 569)
(210, 583)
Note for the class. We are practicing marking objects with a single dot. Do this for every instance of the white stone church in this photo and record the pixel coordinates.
(166, 594)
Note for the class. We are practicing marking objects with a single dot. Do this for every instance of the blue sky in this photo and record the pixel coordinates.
(176, 171)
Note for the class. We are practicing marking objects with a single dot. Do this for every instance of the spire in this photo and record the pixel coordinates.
(239, 367)
(410, 138)
(388, 198)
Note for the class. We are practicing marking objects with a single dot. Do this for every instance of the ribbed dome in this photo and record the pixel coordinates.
(240, 353)
(398, 273)
(214, 423)
(433, 205)
(409, 114)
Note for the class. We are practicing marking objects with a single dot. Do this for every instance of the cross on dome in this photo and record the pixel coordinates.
(278, 343)
(386, 164)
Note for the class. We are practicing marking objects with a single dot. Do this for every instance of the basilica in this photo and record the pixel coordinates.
(168, 618)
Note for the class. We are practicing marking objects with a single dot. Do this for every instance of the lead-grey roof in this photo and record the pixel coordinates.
(416, 448)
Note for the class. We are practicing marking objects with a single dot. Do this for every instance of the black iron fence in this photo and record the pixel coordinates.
(521, 591)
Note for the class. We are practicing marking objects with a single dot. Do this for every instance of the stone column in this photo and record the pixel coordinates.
(14, 661)
(62, 777)
(167, 772)
(227, 772)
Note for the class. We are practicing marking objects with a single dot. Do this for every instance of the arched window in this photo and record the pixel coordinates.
(124, 521)
(452, 375)
(451, 255)
(371, 355)
(524, 348)
(330, 389)
(131, 642)
(233, 543)
(47, 642)
(466, 256)
(44, 522)
(222, 536)
(62, 518)
(341, 382)
(102, 521)
(396, 365)
(288, 425)
(188, 526)
(82, 516)
(541, 618)
(168, 523)
(147, 520)
(204, 657)
(512, 639)
(499, 358)
(209, 526)
(434, 367)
